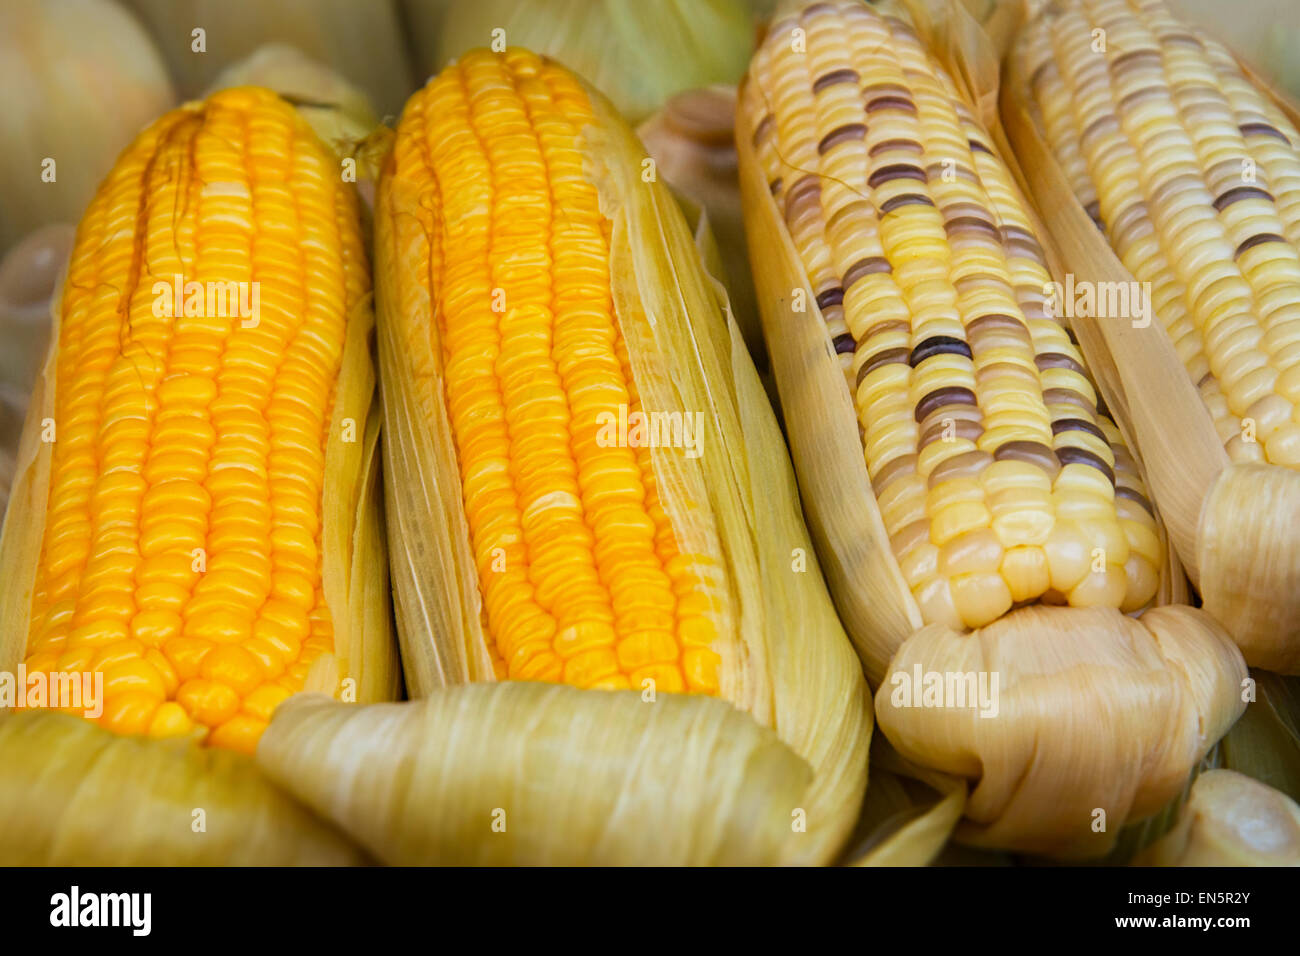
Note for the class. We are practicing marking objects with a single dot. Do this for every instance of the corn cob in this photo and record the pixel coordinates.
(535, 285)
(984, 520)
(1194, 175)
(999, 480)
(1190, 169)
(196, 517)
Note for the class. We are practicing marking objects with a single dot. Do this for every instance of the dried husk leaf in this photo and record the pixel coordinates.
(78, 80)
(364, 665)
(787, 662)
(544, 774)
(1072, 651)
(1228, 522)
(74, 794)
(1231, 820)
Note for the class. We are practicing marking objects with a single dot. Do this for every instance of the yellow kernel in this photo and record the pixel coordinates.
(220, 627)
(130, 712)
(186, 655)
(233, 666)
(261, 703)
(667, 678)
(116, 654)
(980, 598)
(701, 666)
(170, 720)
(240, 732)
(136, 676)
(208, 702)
(154, 628)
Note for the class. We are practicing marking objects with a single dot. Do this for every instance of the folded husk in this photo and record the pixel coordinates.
(354, 578)
(797, 673)
(1126, 707)
(73, 794)
(1023, 797)
(545, 774)
(1230, 820)
(636, 53)
(1228, 522)
(78, 80)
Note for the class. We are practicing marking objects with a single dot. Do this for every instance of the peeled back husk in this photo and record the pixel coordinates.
(544, 774)
(74, 794)
(578, 765)
(78, 80)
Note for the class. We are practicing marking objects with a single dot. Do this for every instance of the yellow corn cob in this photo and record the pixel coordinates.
(999, 480)
(184, 551)
(539, 293)
(1194, 175)
(196, 515)
(583, 577)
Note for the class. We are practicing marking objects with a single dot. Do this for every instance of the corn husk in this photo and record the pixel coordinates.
(363, 42)
(498, 774)
(1231, 820)
(1128, 706)
(692, 139)
(1230, 523)
(73, 794)
(363, 666)
(636, 53)
(774, 772)
(1164, 688)
(78, 80)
